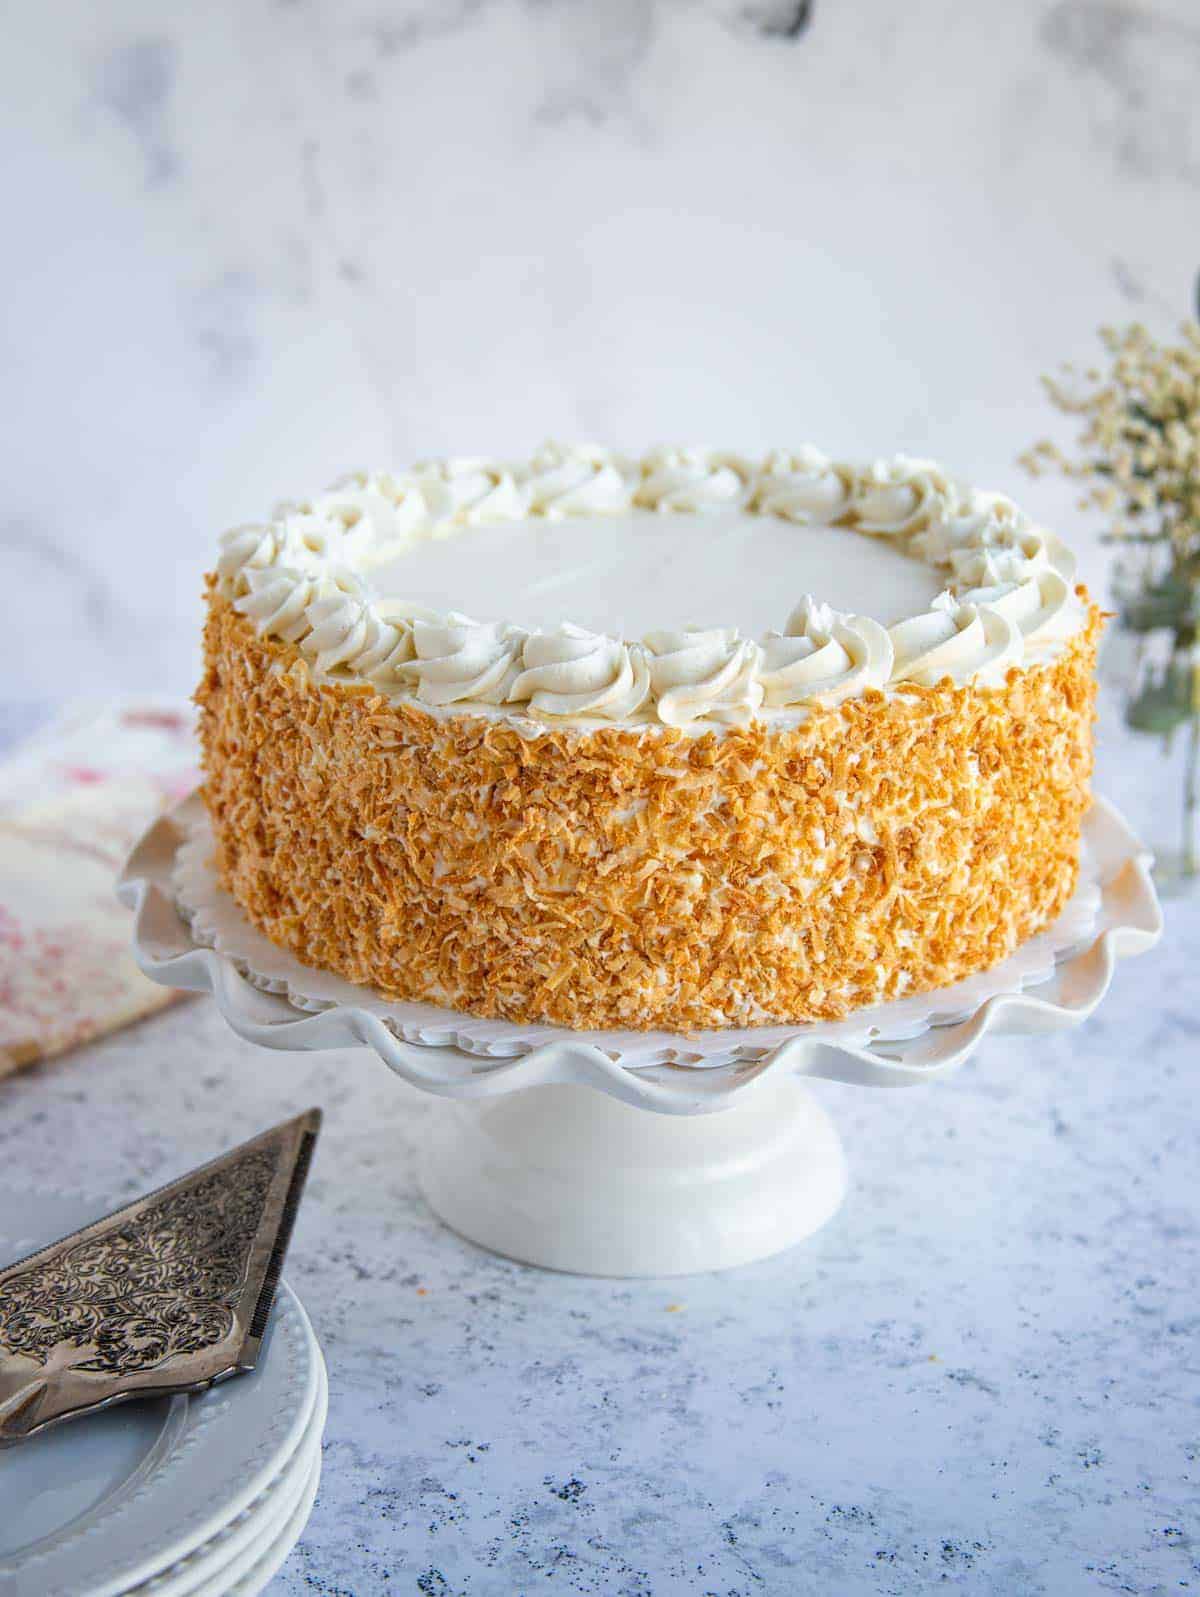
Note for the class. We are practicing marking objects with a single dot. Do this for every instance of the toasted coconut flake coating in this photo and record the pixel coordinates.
(625, 877)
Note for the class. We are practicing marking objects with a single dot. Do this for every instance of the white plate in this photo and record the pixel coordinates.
(219, 1563)
(97, 1506)
(268, 1566)
(267, 1554)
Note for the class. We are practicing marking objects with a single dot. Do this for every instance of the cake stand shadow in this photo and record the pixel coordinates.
(610, 1154)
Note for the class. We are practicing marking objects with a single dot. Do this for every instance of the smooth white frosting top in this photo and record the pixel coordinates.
(948, 582)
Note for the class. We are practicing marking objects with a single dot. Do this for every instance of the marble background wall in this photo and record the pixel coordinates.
(250, 244)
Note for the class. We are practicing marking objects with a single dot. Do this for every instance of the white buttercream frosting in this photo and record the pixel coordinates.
(276, 600)
(965, 642)
(902, 496)
(705, 673)
(1042, 605)
(392, 648)
(246, 549)
(312, 539)
(805, 486)
(463, 492)
(381, 513)
(573, 672)
(824, 657)
(1008, 596)
(693, 479)
(584, 481)
(973, 521)
(460, 661)
(986, 566)
(347, 634)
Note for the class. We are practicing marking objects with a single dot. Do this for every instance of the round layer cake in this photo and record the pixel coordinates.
(718, 743)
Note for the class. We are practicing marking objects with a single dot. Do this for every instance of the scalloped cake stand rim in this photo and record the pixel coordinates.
(218, 922)
(1128, 922)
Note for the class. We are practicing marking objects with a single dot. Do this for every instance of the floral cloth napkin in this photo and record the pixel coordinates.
(74, 797)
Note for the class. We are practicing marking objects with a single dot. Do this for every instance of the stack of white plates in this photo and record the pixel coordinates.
(201, 1495)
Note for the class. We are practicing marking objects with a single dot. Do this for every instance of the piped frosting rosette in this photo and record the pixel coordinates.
(805, 487)
(705, 674)
(584, 481)
(964, 642)
(1024, 587)
(693, 479)
(824, 657)
(573, 672)
(1009, 597)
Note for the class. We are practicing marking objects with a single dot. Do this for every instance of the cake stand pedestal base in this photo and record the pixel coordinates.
(563, 1177)
(631, 1154)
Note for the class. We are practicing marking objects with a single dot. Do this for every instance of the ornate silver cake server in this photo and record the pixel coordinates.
(169, 1294)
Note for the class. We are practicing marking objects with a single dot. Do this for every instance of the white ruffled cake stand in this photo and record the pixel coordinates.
(630, 1153)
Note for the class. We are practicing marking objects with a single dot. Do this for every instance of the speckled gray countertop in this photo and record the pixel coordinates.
(981, 1375)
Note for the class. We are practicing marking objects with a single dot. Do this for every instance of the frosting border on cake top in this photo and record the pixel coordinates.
(1008, 602)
